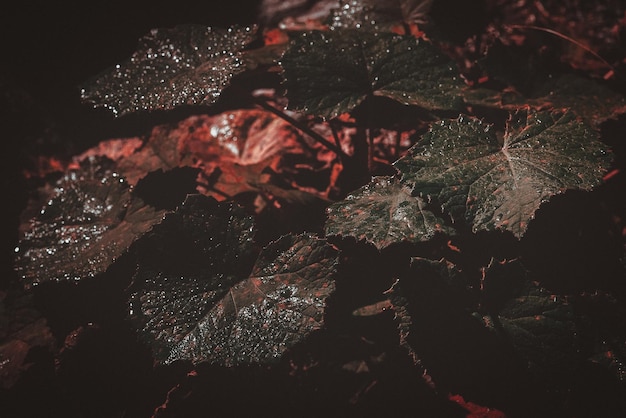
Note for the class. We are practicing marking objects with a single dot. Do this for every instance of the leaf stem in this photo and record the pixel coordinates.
(302, 127)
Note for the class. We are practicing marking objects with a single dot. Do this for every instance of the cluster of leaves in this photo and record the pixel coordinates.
(307, 208)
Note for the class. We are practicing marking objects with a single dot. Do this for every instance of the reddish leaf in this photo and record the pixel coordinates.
(80, 225)
(236, 151)
(22, 328)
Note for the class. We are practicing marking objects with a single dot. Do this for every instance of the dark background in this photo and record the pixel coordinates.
(48, 50)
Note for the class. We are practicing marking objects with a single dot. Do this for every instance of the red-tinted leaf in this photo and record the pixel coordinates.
(382, 213)
(21, 328)
(80, 225)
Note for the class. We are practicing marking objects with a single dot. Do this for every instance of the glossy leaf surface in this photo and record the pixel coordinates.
(462, 166)
(382, 213)
(221, 321)
(185, 65)
(328, 73)
(80, 225)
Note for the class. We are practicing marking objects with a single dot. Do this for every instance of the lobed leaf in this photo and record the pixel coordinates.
(462, 166)
(382, 213)
(328, 73)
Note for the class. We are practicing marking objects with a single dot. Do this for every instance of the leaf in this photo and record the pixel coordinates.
(589, 99)
(185, 263)
(461, 165)
(294, 14)
(207, 317)
(377, 13)
(236, 151)
(81, 225)
(22, 327)
(328, 73)
(382, 213)
(185, 65)
(529, 79)
(540, 326)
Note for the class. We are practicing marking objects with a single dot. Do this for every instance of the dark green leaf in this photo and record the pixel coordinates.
(330, 72)
(185, 65)
(203, 319)
(80, 226)
(382, 213)
(186, 264)
(375, 13)
(589, 99)
(462, 166)
(539, 325)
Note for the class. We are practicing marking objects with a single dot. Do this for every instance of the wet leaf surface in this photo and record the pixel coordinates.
(328, 73)
(187, 64)
(382, 213)
(186, 264)
(397, 334)
(221, 321)
(461, 165)
(379, 13)
(80, 225)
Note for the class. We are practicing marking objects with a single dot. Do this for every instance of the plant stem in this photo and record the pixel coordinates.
(302, 127)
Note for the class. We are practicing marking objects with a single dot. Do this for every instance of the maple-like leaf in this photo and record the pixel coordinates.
(80, 225)
(382, 213)
(184, 65)
(461, 165)
(328, 73)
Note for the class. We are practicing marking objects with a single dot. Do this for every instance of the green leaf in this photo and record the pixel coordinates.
(208, 317)
(186, 263)
(185, 65)
(529, 79)
(461, 165)
(589, 99)
(330, 72)
(540, 326)
(81, 225)
(377, 13)
(382, 213)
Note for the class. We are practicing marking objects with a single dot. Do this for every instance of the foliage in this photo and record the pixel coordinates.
(353, 172)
